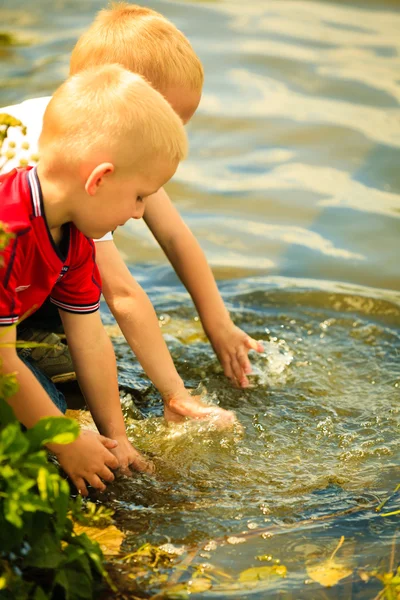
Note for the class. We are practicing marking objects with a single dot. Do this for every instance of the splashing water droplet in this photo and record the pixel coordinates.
(269, 367)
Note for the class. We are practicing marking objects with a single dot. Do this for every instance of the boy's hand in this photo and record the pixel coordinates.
(182, 405)
(87, 460)
(129, 458)
(231, 346)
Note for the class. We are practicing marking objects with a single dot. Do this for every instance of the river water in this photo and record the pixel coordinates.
(292, 188)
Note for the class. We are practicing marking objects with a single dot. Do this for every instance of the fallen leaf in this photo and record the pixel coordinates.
(198, 585)
(109, 538)
(262, 573)
(329, 572)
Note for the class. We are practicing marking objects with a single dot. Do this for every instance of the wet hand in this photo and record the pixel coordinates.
(88, 460)
(232, 346)
(182, 405)
(129, 458)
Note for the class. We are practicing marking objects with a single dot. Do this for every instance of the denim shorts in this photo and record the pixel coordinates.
(46, 383)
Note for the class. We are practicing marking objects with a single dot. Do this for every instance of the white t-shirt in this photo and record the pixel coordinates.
(25, 147)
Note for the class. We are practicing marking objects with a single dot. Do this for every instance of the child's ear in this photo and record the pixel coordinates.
(96, 177)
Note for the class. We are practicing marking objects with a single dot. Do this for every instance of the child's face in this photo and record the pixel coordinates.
(120, 197)
(184, 101)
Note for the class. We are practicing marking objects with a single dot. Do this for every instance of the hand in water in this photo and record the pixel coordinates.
(232, 346)
(183, 405)
(129, 458)
(87, 460)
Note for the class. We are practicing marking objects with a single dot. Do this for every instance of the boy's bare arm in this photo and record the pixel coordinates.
(136, 316)
(138, 321)
(31, 402)
(94, 361)
(230, 343)
(85, 460)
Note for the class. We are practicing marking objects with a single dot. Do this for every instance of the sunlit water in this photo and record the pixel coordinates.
(293, 190)
(320, 436)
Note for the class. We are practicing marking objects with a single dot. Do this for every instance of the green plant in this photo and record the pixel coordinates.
(41, 557)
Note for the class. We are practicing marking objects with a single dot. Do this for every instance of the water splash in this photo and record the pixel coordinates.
(271, 366)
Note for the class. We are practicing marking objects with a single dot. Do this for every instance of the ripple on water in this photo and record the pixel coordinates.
(320, 430)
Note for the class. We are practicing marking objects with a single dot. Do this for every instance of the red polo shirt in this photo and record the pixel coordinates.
(33, 266)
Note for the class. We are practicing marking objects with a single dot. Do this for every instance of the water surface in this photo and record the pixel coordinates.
(292, 188)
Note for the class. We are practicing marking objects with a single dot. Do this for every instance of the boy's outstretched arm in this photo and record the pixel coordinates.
(86, 460)
(94, 361)
(138, 321)
(230, 343)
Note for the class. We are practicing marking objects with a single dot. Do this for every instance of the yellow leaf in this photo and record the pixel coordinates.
(261, 573)
(329, 572)
(201, 584)
(109, 538)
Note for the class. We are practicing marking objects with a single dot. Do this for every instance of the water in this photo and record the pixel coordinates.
(292, 189)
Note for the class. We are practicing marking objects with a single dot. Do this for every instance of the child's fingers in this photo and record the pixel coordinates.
(139, 463)
(125, 470)
(254, 345)
(244, 383)
(106, 474)
(237, 370)
(111, 460)
(226, 363)
(80, 485)
(108, 442)
(244, 361)
(96, 482)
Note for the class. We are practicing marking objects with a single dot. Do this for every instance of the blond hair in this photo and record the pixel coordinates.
(110, 114)
(143, 41)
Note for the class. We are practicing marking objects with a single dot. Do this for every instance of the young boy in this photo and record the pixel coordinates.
(108, 141)
(145, 42)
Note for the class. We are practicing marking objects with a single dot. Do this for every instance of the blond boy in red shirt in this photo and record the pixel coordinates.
(145, 42)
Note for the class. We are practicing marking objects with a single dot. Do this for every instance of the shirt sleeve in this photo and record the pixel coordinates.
(10, 306)
(78, 288)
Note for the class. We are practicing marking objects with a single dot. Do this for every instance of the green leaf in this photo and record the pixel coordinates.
(6, 412)
(40, 594)
(10, 537)
(35, 504)
(55, 430)
(61, 580)
(77, 556)
(45, 553)
(8, 387)
(13, 443)
(93, 550)
(12, 512)
(76, 584)
(58, 492)
(42, 483)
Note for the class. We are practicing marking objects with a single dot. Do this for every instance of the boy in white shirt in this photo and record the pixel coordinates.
(145, 42)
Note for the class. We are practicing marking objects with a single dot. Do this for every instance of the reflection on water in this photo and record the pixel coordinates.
(293, 179)
(298, 130)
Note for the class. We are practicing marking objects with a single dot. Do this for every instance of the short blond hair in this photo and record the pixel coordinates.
(143, 41)
(106, 114)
